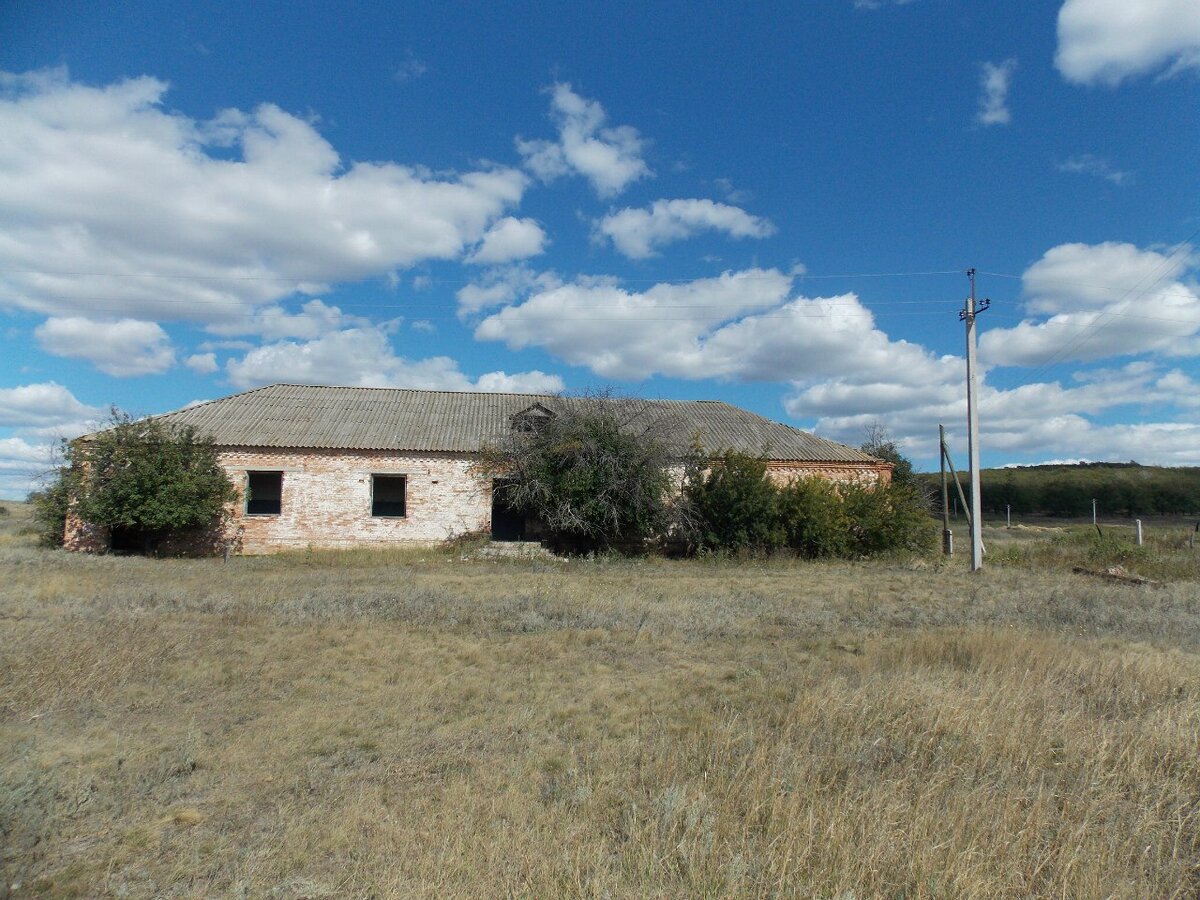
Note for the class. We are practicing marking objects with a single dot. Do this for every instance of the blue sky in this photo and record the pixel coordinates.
(772, 206)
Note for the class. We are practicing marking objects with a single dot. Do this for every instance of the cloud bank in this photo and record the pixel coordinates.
(152, 215)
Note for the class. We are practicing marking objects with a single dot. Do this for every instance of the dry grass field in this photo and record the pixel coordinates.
(417, 725)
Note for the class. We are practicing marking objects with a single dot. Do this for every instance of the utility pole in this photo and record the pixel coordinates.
(968, 315)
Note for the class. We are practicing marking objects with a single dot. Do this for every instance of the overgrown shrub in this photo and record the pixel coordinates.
(814, 519)
(594, 473)
(50, 507)
(734, 505)
(888, 518)
(147, 477)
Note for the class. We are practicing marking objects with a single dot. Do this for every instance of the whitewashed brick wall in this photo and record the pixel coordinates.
(327, 499)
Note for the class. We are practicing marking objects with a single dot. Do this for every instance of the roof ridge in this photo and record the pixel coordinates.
(383, 387)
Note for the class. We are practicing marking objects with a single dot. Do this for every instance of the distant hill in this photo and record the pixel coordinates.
(1120, 489)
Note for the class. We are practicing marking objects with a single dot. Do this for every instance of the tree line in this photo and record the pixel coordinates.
(1067, 491)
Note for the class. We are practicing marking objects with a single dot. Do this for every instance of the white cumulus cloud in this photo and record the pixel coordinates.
(38, 416)
(609, 157)
(638, 233)
(510, 239)
(105, 192)
(48, 404)
(1092, 301)
(1107, 41)
(123, 348)
(742, 326)
(202, 363)
(364, 357)
(994, 82)
(1033, 419)
(502, 285)
(313, 319)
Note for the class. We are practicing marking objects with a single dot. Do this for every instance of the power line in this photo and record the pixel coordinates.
(435, 280)
(274, 304)
(1115, 288)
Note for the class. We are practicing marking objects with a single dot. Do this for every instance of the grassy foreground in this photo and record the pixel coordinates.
(375, 725)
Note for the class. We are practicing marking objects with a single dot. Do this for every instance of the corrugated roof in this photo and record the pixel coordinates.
(353, 418)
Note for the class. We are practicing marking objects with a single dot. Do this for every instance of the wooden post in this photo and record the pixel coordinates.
(947, 534)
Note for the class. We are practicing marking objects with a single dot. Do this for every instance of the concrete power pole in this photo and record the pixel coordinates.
(968, 315)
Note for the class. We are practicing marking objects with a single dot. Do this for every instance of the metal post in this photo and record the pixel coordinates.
(1139, 532)
(1094, 511)
(968, 315)
(1008, 515)
(947, 534)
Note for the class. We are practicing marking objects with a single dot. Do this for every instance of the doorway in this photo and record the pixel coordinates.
(508, 524)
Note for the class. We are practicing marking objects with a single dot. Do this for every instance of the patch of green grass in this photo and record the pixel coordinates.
(1167, 553)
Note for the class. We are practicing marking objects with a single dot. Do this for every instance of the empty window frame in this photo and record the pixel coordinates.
(388, 495)
(264, 493)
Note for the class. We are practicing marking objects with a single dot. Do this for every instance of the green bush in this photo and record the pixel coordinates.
(734, 505)
(1111, 550)
(594, 475)
(814, 518)
(50, 508)
(886, 519)
(147, 477)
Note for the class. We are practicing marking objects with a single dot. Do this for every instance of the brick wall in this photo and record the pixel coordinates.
(83, 536)
(782, 472)
(327, 499)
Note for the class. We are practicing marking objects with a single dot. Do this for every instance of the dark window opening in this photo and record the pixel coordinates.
(264, 493)
(388, 495)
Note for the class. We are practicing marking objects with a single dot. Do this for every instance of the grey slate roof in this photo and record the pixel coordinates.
(353, 418)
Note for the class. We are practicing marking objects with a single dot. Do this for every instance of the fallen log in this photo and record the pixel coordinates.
(1117, 573)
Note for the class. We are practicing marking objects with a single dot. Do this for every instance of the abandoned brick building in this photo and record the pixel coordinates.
(345, 466)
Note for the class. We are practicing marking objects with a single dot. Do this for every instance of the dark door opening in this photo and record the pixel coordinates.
(508, 524)
(122, 539)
